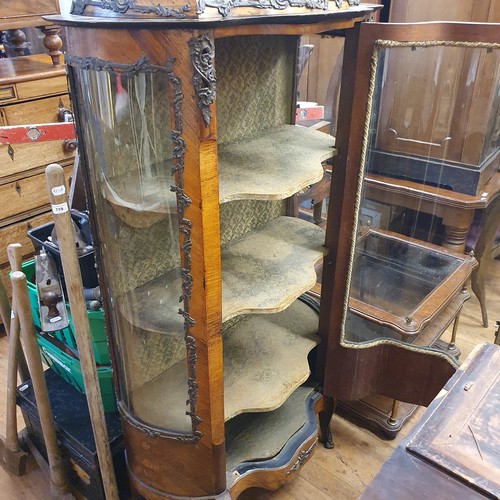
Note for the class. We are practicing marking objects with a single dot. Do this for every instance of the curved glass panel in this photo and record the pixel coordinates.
(430, 152)
(124, 112)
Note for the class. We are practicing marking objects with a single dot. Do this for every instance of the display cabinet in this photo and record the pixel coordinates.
(437, 120)
(389, 296)
(185, 117)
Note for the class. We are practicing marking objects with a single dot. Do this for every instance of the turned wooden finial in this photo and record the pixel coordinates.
(53, 43)
(17, 42)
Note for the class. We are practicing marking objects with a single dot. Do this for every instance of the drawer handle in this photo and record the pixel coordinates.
(18, 188)
(70, 145)
(10, 150)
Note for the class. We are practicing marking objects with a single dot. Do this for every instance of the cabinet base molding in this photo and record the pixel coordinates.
(301, 410)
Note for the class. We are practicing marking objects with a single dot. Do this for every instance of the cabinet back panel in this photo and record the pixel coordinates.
(255, 81)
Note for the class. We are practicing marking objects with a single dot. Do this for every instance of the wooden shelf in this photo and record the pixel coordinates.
(266, 270)
(138, 210)
(274, 165)
(267, 354)
(261, 436)
(262, 272)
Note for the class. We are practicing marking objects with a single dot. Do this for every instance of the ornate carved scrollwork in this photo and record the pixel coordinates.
(122, 6)
(202, 56)
(303, 455)
(152, 431)
(143, 65)
(225, 6)
(183, 201)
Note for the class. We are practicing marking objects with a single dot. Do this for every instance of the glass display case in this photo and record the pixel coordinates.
(437, 119)
(185, 116)
(191, 155)
(416, 137)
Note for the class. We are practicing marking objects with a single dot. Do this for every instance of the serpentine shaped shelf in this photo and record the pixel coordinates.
(273, 165)
(137, 202)
(262, 436)
(262, 272)
(269, 352)
(267, 269)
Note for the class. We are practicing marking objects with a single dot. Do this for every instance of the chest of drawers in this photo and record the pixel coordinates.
(32, 91)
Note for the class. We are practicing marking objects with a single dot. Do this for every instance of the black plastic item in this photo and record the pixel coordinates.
(74, 434)
(39, 235)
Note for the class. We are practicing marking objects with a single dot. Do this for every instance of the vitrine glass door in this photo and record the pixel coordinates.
(130, 157)
(419, 149)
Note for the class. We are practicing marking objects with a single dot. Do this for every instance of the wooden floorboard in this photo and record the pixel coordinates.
(341, 473)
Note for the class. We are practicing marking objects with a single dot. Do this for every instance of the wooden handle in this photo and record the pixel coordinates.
(66, 239)
(15, 254)
(23, 311)
(17, 361)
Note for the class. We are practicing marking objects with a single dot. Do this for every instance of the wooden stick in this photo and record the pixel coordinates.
(13, 458)
(66, 239)
(15, 255)
(11, 438)
(58, 483)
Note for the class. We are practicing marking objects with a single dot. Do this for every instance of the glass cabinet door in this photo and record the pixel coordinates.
(420, 154)
(127, 112)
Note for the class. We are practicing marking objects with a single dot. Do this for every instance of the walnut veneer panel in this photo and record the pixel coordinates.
(273, 165)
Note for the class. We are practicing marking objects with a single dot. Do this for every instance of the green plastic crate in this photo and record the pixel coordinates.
(70, 370)
(66, 335)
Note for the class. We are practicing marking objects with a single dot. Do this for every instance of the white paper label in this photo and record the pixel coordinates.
(56, 191)
(12, 315)
(60, 208)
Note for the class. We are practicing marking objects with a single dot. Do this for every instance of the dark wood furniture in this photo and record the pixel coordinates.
(185, 118)
(455, 209)
(451, 140)
(486, 249)
(358, 370)
(453, 451)
(191, 156)
(15, 15)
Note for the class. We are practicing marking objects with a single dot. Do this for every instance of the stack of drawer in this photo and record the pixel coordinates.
(32, 91)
